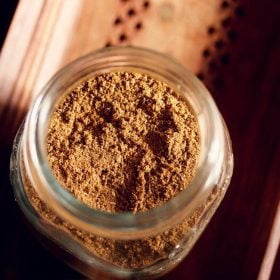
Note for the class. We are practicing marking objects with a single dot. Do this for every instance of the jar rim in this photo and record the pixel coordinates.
(125, 224)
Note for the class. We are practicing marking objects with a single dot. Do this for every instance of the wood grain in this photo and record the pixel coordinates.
(232, 45)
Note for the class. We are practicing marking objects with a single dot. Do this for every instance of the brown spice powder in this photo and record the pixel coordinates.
(123, 142)
(129, 254)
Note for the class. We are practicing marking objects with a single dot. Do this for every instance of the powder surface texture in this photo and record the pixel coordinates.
(123, 141)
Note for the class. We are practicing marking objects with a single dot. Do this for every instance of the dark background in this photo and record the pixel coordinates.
(247, 90)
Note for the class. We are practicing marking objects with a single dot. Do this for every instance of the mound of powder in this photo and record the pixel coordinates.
(123, 141)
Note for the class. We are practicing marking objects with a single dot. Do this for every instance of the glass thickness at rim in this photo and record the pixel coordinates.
(126, 224)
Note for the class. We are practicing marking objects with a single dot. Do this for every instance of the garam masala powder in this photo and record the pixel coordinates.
(122, 141)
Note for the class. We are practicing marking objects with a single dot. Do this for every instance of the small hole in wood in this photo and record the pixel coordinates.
(225, 59)
(225, 4)
(146, 4)
(211, 30)
(206, 53)
(239, 11)
(138, 25)
(219, 44)
(117, 21)
(108, 44)
(200, 76)
(122, 37)
(131, 12)
(232, 35)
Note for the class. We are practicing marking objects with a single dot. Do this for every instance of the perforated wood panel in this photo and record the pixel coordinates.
(56, 32)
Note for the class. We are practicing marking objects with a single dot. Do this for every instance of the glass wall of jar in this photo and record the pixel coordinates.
(124, 245)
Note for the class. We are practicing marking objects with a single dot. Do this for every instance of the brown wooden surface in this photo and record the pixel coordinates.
(232, 45)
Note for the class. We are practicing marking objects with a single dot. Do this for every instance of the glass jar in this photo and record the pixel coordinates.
(121, 245)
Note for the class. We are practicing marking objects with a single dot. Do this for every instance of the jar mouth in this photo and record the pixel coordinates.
(125, 224)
